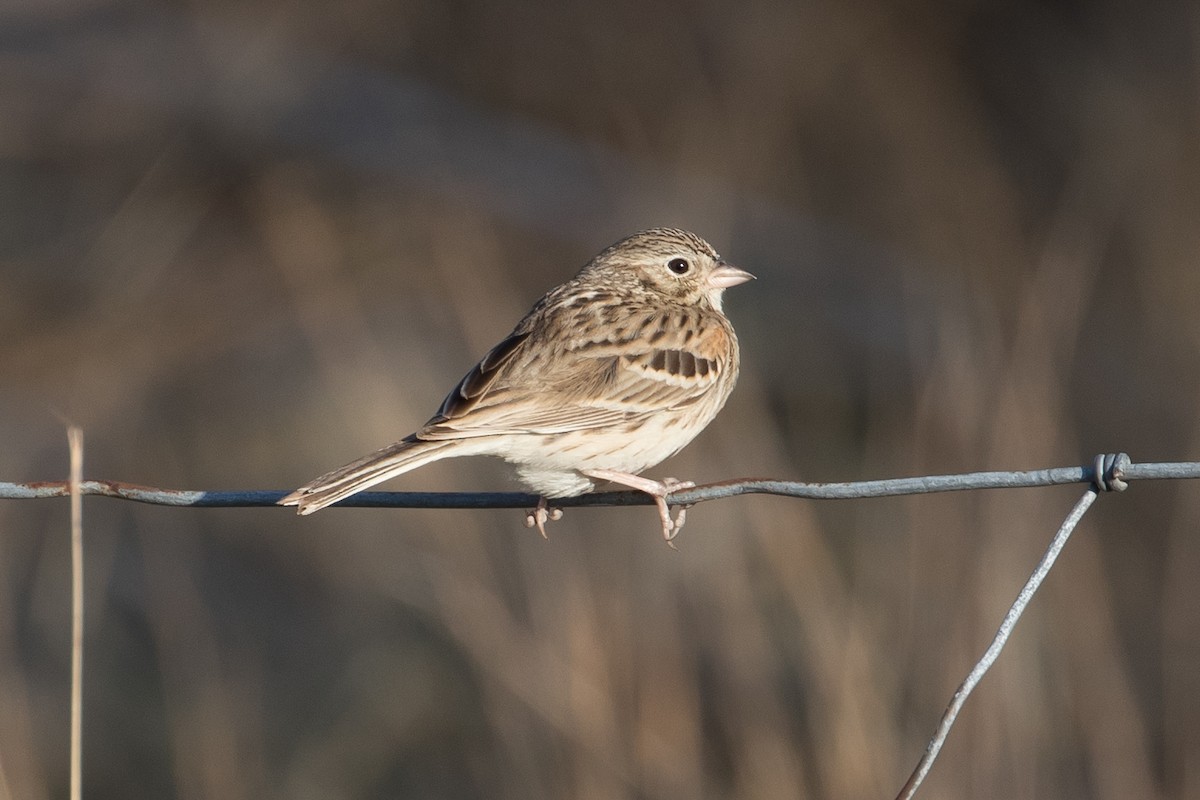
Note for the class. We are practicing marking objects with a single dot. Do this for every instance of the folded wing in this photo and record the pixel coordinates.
(653, 361)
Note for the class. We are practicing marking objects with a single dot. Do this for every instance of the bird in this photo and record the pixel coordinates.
(609, 374)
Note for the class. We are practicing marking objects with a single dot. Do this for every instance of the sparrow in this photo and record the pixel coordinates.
(607, 375)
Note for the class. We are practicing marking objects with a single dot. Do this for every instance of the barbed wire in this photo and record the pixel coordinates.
(1106, 473)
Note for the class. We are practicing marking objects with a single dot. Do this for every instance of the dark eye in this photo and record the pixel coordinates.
(679, 266)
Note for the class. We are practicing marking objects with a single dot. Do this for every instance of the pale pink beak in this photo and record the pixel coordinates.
(726, 275)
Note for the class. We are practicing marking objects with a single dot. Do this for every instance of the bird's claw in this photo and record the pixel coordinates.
(671, 527)
(538, 517)
(659, 490)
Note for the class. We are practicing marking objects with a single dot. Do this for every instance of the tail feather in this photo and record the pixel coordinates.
(388, 462)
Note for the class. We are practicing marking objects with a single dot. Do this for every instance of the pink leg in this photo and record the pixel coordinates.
(656, 489)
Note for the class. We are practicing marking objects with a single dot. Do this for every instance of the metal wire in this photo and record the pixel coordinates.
(993, 652)
(1107, 472)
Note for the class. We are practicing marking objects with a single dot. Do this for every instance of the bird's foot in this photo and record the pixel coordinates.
(540, 515)
(656, 489)
(676, 485)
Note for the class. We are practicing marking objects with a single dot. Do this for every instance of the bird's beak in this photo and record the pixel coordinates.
(726, 275)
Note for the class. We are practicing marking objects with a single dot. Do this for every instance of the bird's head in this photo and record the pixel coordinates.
(667, 263)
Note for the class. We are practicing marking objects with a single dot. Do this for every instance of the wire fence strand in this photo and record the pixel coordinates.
(1119, 467)
(993, 651)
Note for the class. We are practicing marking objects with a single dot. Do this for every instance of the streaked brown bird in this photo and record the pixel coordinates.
(609, 373)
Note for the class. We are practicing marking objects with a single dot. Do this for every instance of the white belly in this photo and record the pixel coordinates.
(550, 464)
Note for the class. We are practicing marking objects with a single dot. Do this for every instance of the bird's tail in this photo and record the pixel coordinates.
(393, 460)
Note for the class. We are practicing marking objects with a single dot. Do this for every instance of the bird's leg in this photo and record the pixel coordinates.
(656, 489)
(540, 515)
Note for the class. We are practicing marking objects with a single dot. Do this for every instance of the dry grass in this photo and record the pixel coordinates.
(243, 243)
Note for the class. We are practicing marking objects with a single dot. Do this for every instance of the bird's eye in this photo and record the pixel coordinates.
(679, 266)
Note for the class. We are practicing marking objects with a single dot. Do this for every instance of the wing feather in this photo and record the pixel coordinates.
(475, 384)
(531, 383)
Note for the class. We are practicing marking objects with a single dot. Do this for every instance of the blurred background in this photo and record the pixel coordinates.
(244, 242)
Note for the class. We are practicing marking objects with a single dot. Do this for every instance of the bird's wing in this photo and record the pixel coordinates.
(476, 383)
(536, 383)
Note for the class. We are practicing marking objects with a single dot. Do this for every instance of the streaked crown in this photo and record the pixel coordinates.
(667, 263)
